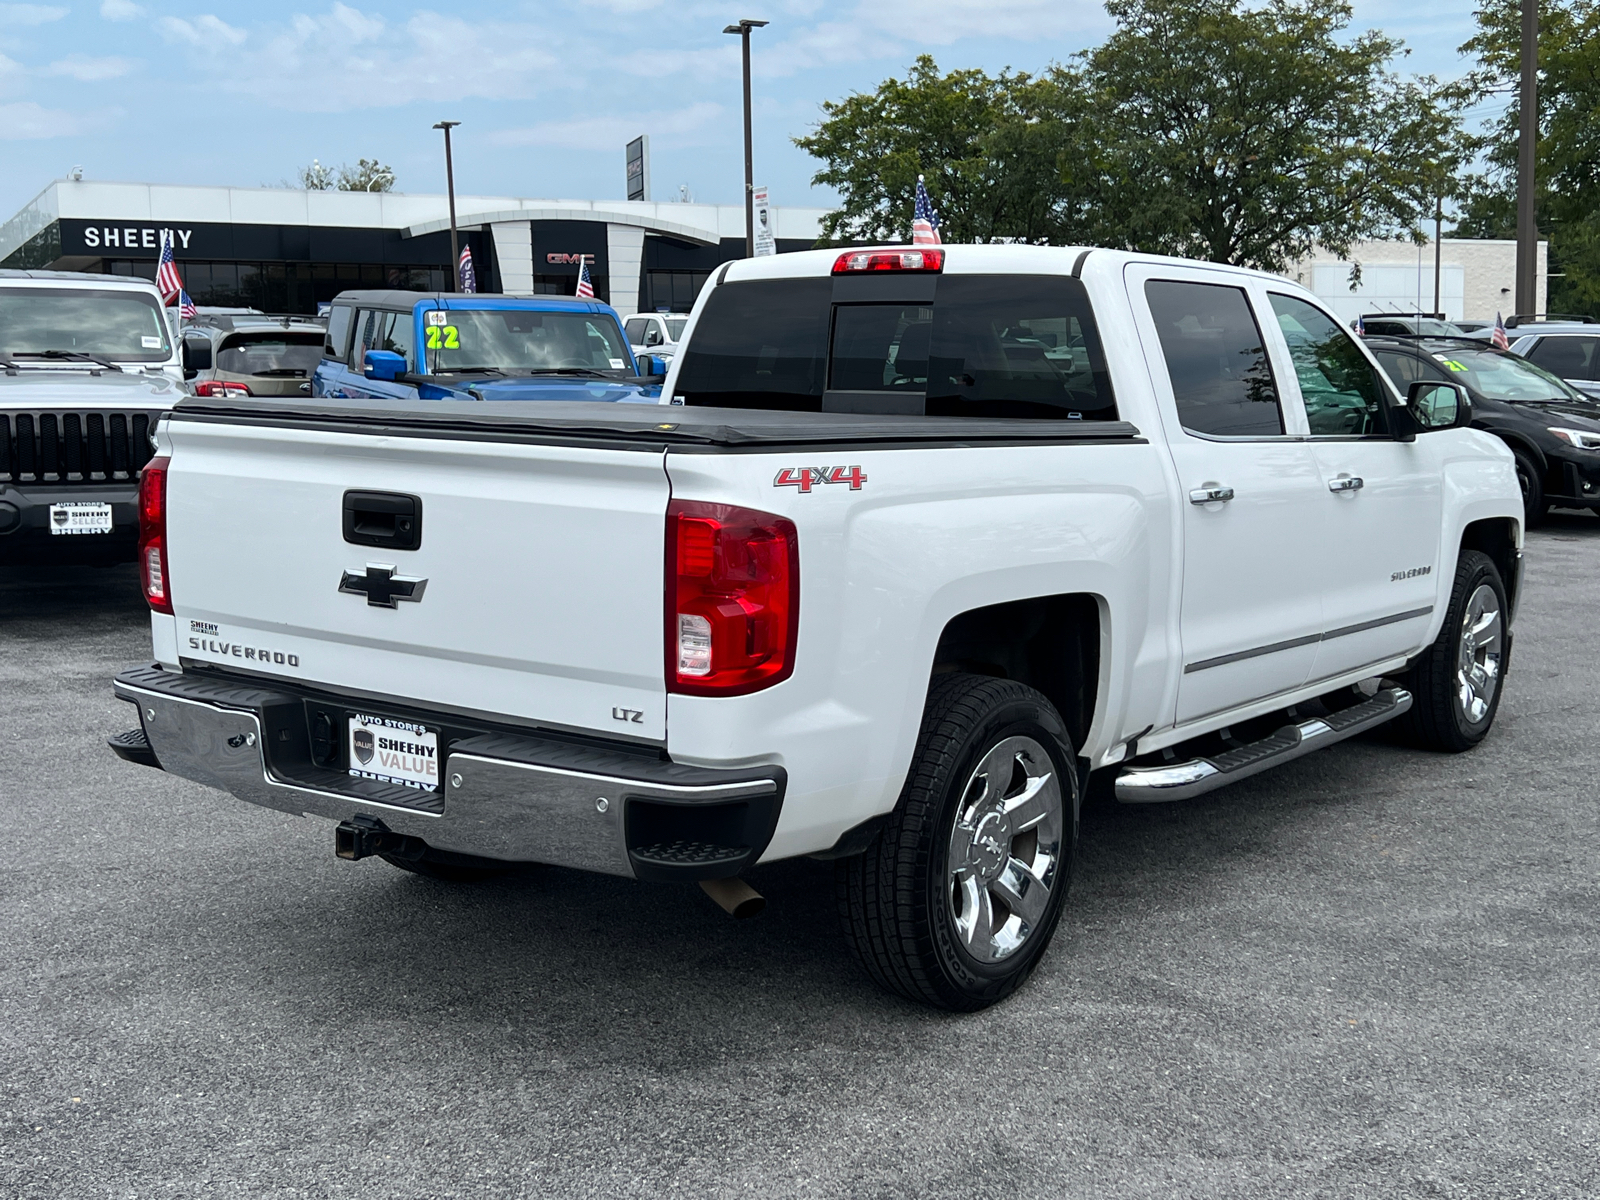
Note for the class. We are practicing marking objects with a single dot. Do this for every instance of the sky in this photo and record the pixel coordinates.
(547, 93)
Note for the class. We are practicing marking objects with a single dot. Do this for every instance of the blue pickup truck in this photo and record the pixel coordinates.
(455, 346)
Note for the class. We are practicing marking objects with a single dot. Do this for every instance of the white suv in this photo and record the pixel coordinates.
(655, 333)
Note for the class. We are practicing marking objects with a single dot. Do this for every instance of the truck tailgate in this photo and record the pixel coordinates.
(543, 564)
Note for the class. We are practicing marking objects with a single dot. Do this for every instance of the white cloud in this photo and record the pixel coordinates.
(26, 120)
(121, 10)
(206, 30)
(430, 57)
(90, 70)
(588, 133)
(29, 14)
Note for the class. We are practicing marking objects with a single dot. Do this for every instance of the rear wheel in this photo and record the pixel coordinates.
(956, 900)
(448, 867)
(1455, 683)
(1531, 480)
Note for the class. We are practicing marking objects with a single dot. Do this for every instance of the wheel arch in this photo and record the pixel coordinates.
(1053, 644)
(1497, 538)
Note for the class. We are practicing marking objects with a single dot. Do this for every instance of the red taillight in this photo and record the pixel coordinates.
(921, 259)
(733, 598)
(220, 387)
(153, 535)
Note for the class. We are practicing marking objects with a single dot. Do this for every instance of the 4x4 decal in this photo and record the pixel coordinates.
(805, 477)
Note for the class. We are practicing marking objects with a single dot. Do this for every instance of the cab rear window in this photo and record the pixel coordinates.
(1017, 346)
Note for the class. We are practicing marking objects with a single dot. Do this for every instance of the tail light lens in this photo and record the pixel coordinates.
(733, 599)
(153, 535)
(220, 387)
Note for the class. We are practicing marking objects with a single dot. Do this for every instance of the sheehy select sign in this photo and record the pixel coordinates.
(133, 237)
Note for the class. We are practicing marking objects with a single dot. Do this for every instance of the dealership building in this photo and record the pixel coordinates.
(284, 250)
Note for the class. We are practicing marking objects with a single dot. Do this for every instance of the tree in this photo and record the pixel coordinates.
(1249, 136)
(988, 146)
(1200, 127)
(368, 175)
(1567, 166)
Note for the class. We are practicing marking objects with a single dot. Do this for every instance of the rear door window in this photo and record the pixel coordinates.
(1216, 359)
(1017, 346)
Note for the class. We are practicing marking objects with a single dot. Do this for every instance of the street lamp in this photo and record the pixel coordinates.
(743, 29)
(389, 175)
(450, 186)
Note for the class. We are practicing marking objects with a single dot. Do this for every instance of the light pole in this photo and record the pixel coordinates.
(450, 186)
(1527, 227)
(743, 29)
(389, 175)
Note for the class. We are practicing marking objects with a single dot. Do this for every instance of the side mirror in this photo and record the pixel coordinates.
(652, 367)
(383, 364)
(190, 372)
(1435, 405)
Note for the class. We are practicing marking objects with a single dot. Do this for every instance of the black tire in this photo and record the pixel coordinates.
(1531, 480)
(449, 867)
(1439, 718)
(897, 900)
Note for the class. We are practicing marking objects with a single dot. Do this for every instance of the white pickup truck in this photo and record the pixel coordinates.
(926, 537)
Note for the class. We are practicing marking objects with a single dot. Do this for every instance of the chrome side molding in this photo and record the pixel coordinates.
(1196, 776)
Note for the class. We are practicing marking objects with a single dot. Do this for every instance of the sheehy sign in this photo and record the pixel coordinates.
(134, 237)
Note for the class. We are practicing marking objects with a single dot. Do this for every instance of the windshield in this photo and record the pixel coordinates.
(518, 340)
(270, 354)
(125, 326)
(675, 327)
(1500, 376)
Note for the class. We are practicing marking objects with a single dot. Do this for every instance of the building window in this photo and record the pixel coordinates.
(283, 287)
(673, 291)
(567, 285)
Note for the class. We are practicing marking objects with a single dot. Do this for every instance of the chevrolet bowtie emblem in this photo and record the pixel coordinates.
(381, 586)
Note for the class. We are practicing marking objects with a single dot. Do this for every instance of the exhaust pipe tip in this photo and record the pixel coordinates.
(735, 897)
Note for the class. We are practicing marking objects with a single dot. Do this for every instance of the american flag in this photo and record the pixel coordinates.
(1361, 328)
(924, 221)
(167, 280)
(585, 285)
(186, 309)
(1498, 338)
(469, 277)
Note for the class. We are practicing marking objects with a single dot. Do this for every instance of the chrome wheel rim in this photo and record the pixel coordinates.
(1005, 849)
(1478, 662)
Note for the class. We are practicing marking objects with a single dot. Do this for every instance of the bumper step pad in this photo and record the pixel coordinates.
(134, 747)
(1196, 776)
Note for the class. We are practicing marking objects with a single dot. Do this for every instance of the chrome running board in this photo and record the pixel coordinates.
(1195, 776)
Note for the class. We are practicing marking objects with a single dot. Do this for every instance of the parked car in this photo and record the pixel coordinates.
(929, 535)
(252, 354)
(87, 368)
(1552, 428)
(1415, 324)
(1572, 354)
(396, 345)
(655, 333)
(1524, 324)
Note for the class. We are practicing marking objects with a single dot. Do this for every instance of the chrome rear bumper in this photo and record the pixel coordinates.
(505, 796)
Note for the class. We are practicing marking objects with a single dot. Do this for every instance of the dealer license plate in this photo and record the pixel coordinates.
(80, 516)
(393, 751)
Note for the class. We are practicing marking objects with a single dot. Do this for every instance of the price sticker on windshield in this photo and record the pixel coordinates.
(436, 316)
(443, 337)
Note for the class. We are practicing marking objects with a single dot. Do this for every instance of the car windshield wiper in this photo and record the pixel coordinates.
(469, 371)
(279, 372)
(67, 356)
(579, 372)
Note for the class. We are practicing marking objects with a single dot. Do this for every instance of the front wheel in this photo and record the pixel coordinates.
(1455, 683)
(1530, 480)
(956, 900)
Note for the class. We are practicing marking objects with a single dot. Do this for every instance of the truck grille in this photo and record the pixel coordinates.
(56, 447)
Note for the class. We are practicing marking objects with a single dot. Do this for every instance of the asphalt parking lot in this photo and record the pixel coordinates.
(1369, 973)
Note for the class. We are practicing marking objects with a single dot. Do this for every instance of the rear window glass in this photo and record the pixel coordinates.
(270, 354)
(985, 346)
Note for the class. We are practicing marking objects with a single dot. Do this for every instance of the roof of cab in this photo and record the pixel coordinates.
(77, 277)
(394, 298)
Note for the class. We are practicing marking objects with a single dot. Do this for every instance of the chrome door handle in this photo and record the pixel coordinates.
(1345, 483)
(1211, 493)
